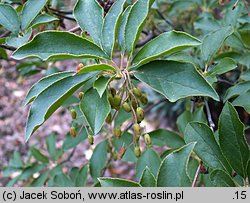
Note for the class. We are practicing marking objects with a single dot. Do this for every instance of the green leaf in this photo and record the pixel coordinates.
(121, 31)
(147, 178)
(243, 101)
(125, 140)
(38, 155)
(236, 90)
(163, 137)
(98, 160)
(70, 142)
(225, 65)
(58, 45)
(42, 84)
(173, 169)
(17, 41)
(175, 80)
(187, 116)
(16, 160)
(213, 41)
(166, 43)
(110, 26)
(135, 21)
(41, 180)
(9, 18)
(48, 101)
(89, 16)
(51, 147)
(117, 182)
(43, 19)
(82, 176)
(206, 148)
(245, 75)
(232, 139)
(30, 10)
(221, 179)
(31, 170)
(150, 159)
(95, 109)
(96, 67)
(101, 84)
(61, 180)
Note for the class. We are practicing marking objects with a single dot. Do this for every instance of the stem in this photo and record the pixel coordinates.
(197, 174)
(209, 116)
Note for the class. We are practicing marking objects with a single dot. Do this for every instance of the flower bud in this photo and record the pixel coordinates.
(139, 114)
(137, 137)
(137, 129)
(109, 118)
(126, 107)
(137, 151)
(90, 139)
(79, 67)
(117, 100)
(72, 132)
(147, 139)
(118, 132)
(137, 92)
(144, 99)
(73, 113)
(81, 94)
(115, 155)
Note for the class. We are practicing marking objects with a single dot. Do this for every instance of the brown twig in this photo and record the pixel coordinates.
(5, 34)
(74, 29)
(7, 47)
(197, 174)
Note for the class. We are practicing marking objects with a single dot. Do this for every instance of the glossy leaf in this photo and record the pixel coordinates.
(98, 160)
(117, 182)
(101, 84)
(30, 10)
(149, 158)
(121, 31)
(221, 179)
(38, 155)
(243, 101)
(9, 18)
(236, 90)
(175, 80)
(48, 101)
(136, 19)
(218, 37)
(225, 65)
(173, 169)
(110, 26)
(187, 117)
(43, 19)
(89, 16)
(17, 41)
(166, 43)
(42, 84)
(95, 109)
(96, 67)
(232, 139)
(52, 45)
(248, 170)
(206, 148)
(147, 178)
(162, 137)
